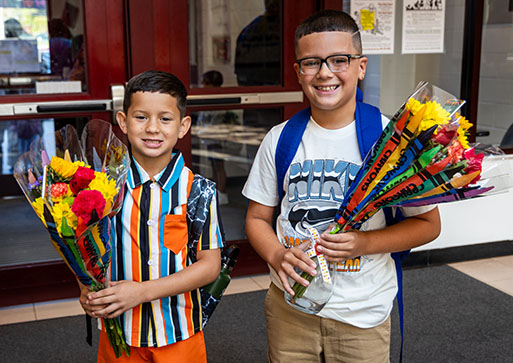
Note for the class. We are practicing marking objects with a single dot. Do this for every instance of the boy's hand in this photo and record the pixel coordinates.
(342, 246)
(84, 301)
(407, 234)
(119, 297)
(285, 263)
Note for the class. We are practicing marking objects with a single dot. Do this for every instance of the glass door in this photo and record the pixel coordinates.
(236, 94)
(495, 103)
(59, 63)
(53, 72)
(236, 59)
(242, 83)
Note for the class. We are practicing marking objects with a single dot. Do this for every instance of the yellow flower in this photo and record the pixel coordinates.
(105, 185)
(38, 206)
(63, 210)
(463, 128)
(65, 169)
(413, 105)
(434, 114)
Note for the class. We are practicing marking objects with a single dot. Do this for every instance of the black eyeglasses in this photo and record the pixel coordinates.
(336, 63)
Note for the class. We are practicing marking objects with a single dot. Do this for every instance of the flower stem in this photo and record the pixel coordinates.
(113, 330)
(116, 339)
(299, 290)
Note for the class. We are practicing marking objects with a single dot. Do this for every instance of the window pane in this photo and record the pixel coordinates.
(41, 41)
(15, 212)
(495, 107)
(239, 39)
(17, 217)
(16, 137)
(224, 145)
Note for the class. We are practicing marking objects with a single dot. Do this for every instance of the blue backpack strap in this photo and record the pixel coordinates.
(288, 143)
(368, 126)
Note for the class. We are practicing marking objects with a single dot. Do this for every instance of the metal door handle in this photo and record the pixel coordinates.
(72, 107)
(15, 109)
(214, 101)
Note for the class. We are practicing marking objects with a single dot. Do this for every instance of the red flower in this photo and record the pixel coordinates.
(58, 190)
(474, 163)
(444, 136)
(87, 201)
(81, 179)
(456, 152)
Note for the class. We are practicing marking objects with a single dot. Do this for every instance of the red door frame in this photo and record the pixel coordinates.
(106, 60)
(105, 56)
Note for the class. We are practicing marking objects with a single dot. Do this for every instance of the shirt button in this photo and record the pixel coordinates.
(150, 262)
(153, 185)
(149, 223)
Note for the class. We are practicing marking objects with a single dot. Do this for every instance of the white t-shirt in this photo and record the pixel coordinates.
(325, 163)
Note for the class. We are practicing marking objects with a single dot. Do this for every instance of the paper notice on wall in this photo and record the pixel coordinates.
(423, 26)
(376, 22)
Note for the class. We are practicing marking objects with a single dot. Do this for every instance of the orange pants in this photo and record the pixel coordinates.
(191, 350)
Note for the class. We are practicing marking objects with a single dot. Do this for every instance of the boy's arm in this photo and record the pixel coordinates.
(265, 242)
(409, 233)
(121, 296)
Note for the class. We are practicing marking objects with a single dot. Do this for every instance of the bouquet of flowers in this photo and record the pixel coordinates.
(422, 157)
(74, 194)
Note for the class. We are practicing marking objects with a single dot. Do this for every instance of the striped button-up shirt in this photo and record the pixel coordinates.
(149, 239)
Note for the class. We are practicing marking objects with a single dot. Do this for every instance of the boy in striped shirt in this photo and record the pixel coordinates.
(154, 289)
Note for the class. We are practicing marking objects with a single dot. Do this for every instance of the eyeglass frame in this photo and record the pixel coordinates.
(325, 60)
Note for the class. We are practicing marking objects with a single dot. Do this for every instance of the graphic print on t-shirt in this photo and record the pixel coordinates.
(316, 189)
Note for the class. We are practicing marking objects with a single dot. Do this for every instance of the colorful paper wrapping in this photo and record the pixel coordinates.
(75, 189)
(422, 157)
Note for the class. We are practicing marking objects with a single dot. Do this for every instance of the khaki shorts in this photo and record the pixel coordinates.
(298, 337)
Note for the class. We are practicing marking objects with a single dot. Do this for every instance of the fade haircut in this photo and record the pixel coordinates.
(157, 82)
(329, 21)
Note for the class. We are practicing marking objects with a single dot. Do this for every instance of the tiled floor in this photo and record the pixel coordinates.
(496, 272)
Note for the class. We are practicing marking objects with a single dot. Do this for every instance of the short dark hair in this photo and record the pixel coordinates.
(329, 21)
(157, 82)
(213, 78)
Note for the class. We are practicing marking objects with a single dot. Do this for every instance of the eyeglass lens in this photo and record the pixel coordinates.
(336, 63)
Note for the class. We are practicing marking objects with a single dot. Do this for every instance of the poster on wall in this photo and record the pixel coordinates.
(376, 22)
(423, 26)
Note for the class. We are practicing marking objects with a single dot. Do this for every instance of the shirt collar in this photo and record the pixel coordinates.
(166, 178)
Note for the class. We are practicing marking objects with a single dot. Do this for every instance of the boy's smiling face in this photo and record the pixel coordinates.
(327, 91)
(153, 127)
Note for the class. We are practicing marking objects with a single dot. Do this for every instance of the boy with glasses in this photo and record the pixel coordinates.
(354, 326)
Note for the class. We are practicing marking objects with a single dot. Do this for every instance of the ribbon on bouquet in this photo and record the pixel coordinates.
(313, 251)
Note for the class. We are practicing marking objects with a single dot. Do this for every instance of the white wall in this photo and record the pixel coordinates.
(479, 220)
